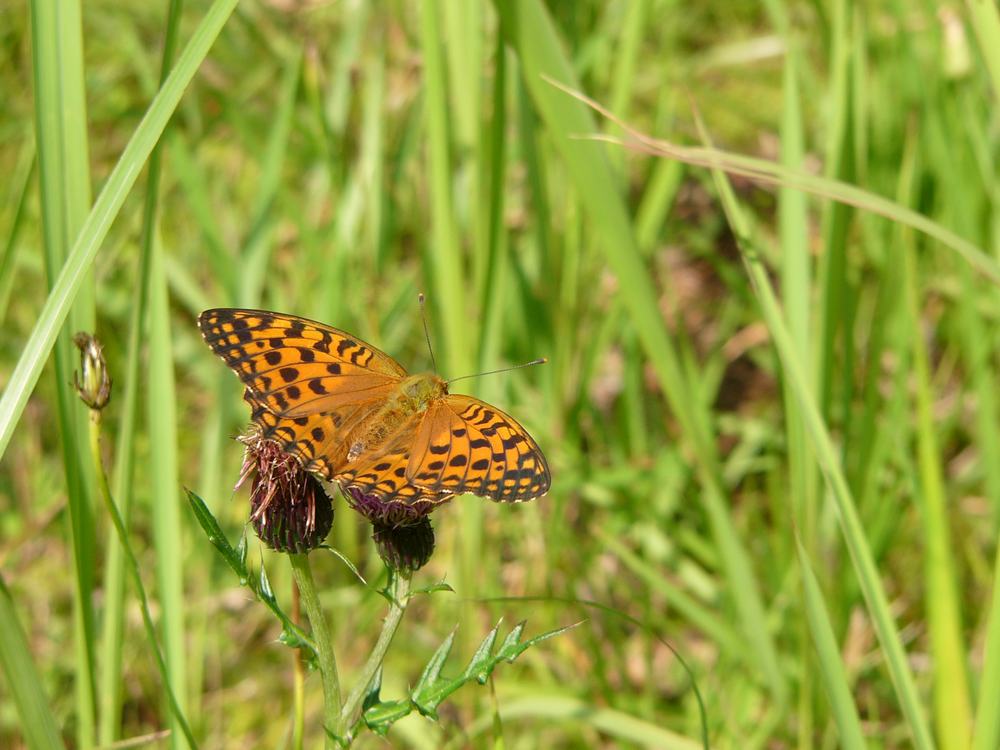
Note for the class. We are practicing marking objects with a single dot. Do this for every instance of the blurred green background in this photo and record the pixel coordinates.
(770, 406)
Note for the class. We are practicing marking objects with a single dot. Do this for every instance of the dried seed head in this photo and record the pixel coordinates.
(288, 508)
(94, 385)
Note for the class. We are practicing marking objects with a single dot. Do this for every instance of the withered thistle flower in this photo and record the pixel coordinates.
(405, 548)
(288, 508)
(94, 385)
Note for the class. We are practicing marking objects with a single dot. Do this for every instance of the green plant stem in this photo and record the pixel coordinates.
(321, 636)
(133, 564)
(299, 691)
(399, 595)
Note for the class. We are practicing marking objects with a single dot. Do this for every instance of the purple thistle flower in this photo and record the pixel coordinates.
(288, 508)
(388, 512)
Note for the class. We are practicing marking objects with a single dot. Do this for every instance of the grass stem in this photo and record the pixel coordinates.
(133, 566)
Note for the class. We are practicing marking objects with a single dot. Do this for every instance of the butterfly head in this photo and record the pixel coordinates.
(420, 390)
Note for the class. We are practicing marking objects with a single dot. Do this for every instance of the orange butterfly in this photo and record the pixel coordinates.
(351, 414)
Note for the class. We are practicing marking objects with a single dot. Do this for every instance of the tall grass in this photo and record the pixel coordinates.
(770, 406)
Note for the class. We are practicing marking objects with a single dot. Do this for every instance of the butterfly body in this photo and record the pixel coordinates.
(410, 399)
(353, 415)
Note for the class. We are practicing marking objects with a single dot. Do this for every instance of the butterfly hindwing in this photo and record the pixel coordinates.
(382, 476)
(466, 445)
(294, 366)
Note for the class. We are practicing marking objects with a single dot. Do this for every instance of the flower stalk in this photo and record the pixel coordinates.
(94, 390)
(399, 596)
(324, 645)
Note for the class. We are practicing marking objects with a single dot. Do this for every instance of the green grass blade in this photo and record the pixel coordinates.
(835, 330)
(95, 228)
(110, 675)
(985, 22)
(534, 37)
(23, 682)
(164, 490)
(769, 173)
(442, 252)
(19, 187)
(550, 709)
(258, 243)
(64, 187)
(826, 455)
(986, 735)
(838, 689)
(796, 292)
(952, 704)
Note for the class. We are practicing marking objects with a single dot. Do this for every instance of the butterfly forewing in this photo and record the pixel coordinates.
(295, 366)
(466, 445)
(318, 440)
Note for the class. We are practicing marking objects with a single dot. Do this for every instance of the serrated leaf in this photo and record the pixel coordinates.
(520, 648)
(426, 695)
(512, 640)
(431, 690)
(381, 716)
(241, 554)
(433, 588)
(433, 668)
(265, 588)
(214, 533)
(291, 635)
(350, 566)
(372, 697)
(340, 741)
(482, 661)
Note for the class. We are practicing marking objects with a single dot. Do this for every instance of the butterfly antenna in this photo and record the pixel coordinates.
(427, 333)
(539, 361)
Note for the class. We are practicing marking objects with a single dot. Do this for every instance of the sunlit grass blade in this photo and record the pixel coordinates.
(442, 249)
(826, 456)
(986, 734)
(95, 228)
(259, 242)
(952, 704)
(533, 36)
(164, 490)
(24, 684)
(796, 290)
(18, 193)
(769, 173)
(835, 328)
(985, 23)
(110, 681)
(838, 689)
(64, 188)
(552, 708)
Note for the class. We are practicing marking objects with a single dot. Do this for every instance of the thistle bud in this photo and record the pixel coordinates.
(288, 508)
(405, 548)
(94, 385)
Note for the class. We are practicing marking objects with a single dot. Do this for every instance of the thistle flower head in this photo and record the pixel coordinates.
(94, 385)
(288, 508)
(405, 548)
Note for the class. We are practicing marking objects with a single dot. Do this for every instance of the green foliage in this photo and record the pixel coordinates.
(236, 558)
(432, 688)
(770, 406)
